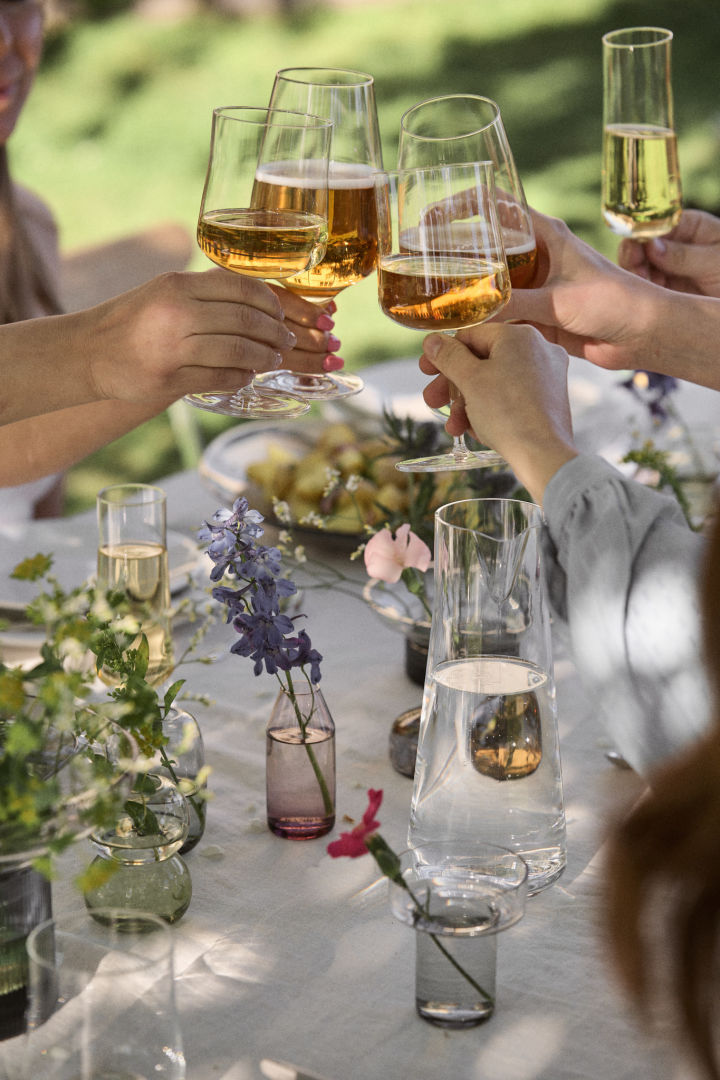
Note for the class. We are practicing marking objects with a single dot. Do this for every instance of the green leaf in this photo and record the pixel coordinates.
(32, 568)
(385, 857)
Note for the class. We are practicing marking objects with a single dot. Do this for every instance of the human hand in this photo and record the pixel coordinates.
(312, 324)
(686, 260)
(183, 333)
(514, 396)
(582, 301)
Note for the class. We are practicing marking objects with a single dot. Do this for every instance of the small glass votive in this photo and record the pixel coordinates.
(403, 741)
(457, 899)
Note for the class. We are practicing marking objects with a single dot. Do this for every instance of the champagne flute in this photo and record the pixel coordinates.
(264, 214)
(348, 99)
(458, 128)
(441, 266)
(641, 189)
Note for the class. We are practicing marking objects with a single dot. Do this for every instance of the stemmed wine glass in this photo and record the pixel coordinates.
(441, 265)
(348, 99)
(641, 189)
(264, 214)
(458, 128)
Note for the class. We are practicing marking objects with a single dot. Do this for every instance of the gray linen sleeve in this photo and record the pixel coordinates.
(622, 569)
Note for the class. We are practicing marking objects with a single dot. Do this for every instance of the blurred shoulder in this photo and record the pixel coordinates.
(36, 213)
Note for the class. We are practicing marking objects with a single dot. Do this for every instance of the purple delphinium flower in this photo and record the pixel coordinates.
(265, 634)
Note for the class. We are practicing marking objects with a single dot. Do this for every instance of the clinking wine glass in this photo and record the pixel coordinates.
(641, 189)
(441, 266)
(348, 99)
(264, 214)
(457, 128)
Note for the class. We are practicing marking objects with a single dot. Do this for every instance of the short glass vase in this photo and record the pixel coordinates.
(300, 765)
(182, 759)
(458, 899)
(138, 864)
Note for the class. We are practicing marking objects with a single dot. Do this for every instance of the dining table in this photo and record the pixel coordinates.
(288, 963)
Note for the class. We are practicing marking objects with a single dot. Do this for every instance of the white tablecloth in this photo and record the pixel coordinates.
(287, 954)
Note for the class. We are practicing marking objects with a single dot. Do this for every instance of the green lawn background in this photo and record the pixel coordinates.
(115, 135)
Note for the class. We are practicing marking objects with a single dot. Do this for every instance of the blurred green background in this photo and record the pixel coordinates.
(115, 135)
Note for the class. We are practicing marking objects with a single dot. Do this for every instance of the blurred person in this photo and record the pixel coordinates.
(99, 373)
(625, 573)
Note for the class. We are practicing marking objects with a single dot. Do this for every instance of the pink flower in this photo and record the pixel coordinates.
(353, 843)
(386, 558)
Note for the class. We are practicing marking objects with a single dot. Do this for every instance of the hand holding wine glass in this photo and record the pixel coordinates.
(441, 265)
(263, 214)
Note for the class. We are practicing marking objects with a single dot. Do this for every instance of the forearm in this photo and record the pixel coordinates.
(40, 445)
(622, 570)
(43, 367)
(684, 340)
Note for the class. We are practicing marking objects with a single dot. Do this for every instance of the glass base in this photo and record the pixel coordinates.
(452, 461)
(313, 387)
(247, 404)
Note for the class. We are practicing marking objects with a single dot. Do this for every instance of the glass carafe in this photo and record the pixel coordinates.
(488, 762)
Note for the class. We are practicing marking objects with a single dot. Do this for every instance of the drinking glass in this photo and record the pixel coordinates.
(101, 1000)
(132, 558)
(641, 190)
(457, 898)
(441, 266)
(457, 128)
(264, 214)
(488, 758)
(348, 99)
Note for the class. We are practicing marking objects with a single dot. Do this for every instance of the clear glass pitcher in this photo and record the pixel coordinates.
(488, 761)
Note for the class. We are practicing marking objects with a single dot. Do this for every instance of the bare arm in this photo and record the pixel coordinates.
(613, 318)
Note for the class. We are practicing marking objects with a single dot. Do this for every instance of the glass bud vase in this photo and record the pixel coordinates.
(138, 865)
(182, 759)
(488, 759)
(300, 765)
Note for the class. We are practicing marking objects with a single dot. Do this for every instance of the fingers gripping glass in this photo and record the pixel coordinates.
(441, 266)
(348, 99)
(264, 214)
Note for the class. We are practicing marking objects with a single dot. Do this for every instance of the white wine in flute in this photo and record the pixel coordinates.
(140, 570)
(351, 252)
(642, 193)
(451, 293)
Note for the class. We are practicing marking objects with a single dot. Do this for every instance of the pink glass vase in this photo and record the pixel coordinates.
(300, 766)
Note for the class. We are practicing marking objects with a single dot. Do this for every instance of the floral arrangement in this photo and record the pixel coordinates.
(254, 600)
(364, 838)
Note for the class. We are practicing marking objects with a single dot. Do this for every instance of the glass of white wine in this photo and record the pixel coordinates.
(132, 558)
(348, 99)
(264, 214)
(441, 266)
(641, 188)
(457, 128)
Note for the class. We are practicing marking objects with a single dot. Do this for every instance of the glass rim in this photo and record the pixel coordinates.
(487, 166)
(358, 78)
(495, 108)
(662, 37)
(77, 926)
(158, 495)
(290, 118)
(535, 507)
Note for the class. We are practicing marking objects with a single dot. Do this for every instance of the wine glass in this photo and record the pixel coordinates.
(458, 128)
(641, 190)
(264, 214)
(441, 265)
(348, 99)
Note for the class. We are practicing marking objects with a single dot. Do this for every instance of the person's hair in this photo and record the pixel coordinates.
(664, 873)
(24, 280)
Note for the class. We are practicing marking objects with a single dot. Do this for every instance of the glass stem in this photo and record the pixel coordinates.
(459, 447)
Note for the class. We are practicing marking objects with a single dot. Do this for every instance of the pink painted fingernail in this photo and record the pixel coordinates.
(333, 363)
(331, 307)
(332, 343)
(324, 322)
